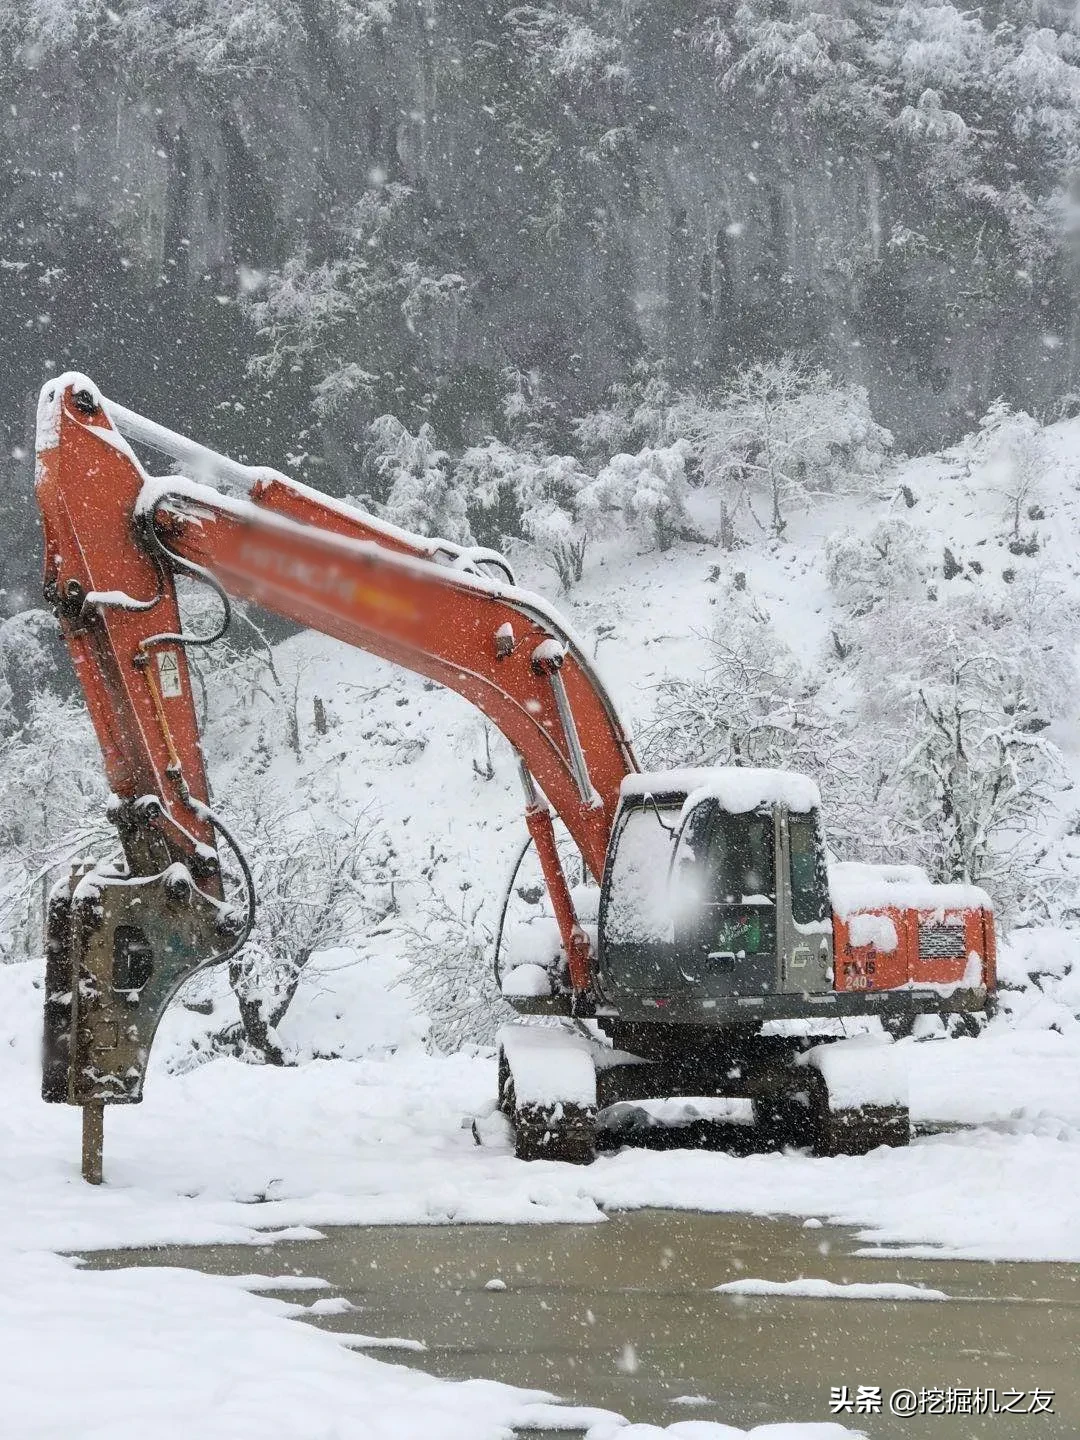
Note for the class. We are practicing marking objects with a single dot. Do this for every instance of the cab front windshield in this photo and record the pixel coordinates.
(638, 901)
(724, 882)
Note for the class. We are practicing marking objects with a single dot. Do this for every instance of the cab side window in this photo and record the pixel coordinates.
(809, 876)
(741, 856)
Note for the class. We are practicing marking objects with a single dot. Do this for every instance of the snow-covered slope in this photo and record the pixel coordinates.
(417, 764)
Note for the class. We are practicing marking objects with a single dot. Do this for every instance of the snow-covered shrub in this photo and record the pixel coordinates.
(646, 492)
(317, 886)
(786, 432)
(519, 493)
(53, 795)
(422, 494)
(929, 120)
(1008, 453)
(450, 971)
(884, 564)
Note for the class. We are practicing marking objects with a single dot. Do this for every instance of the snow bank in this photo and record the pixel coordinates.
(830, 1290)
(1039, 977)
(195, 1355)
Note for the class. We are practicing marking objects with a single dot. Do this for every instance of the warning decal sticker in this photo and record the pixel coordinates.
(168, 669)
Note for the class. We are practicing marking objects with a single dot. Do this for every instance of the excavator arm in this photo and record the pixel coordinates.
(121, 941)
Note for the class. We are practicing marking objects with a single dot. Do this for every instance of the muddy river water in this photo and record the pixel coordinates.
(623, 1315)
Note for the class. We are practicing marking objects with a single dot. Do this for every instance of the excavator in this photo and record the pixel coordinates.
(716, 951)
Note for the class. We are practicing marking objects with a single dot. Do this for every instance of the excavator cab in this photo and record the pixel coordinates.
(715, 901)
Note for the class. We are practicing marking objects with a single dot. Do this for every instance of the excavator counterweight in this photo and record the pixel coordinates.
(717, 913)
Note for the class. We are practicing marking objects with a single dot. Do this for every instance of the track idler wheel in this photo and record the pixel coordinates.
(561, 1131)
(859, 1129)
(860, 1097)
(787, 1112)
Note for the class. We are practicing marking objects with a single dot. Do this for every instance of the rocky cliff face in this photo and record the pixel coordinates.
(150, 177)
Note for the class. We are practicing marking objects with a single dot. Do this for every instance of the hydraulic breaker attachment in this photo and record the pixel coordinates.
(118, 947)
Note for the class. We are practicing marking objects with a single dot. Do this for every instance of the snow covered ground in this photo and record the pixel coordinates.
(229, 1151)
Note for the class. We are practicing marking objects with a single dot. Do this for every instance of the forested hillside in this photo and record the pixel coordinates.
(273, 222)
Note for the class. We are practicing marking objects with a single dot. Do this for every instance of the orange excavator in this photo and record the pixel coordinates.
(716, 930)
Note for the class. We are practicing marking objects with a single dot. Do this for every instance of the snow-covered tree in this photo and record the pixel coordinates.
(978, 118)
(528, 410)
(752, 704)
(422, 494)
(755, 702)
(448, 943)
(1008, 453)
(638, 414)
(355, 319)
(646, 492)
(32, 661)
(882, 565)
(317, 887)
(572, 48)
(238, 681)
(955, 703)
(521, 493)
(786, 432)
(53, 795)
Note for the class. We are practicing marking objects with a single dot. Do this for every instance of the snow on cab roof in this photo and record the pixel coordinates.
(737, 788)
(856, 887)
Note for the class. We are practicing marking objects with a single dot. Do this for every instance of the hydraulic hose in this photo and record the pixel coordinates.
(523, 850)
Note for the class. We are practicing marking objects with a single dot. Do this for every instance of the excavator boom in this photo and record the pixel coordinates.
(115, 540)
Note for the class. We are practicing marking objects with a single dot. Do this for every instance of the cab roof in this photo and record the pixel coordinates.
(736, 788)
